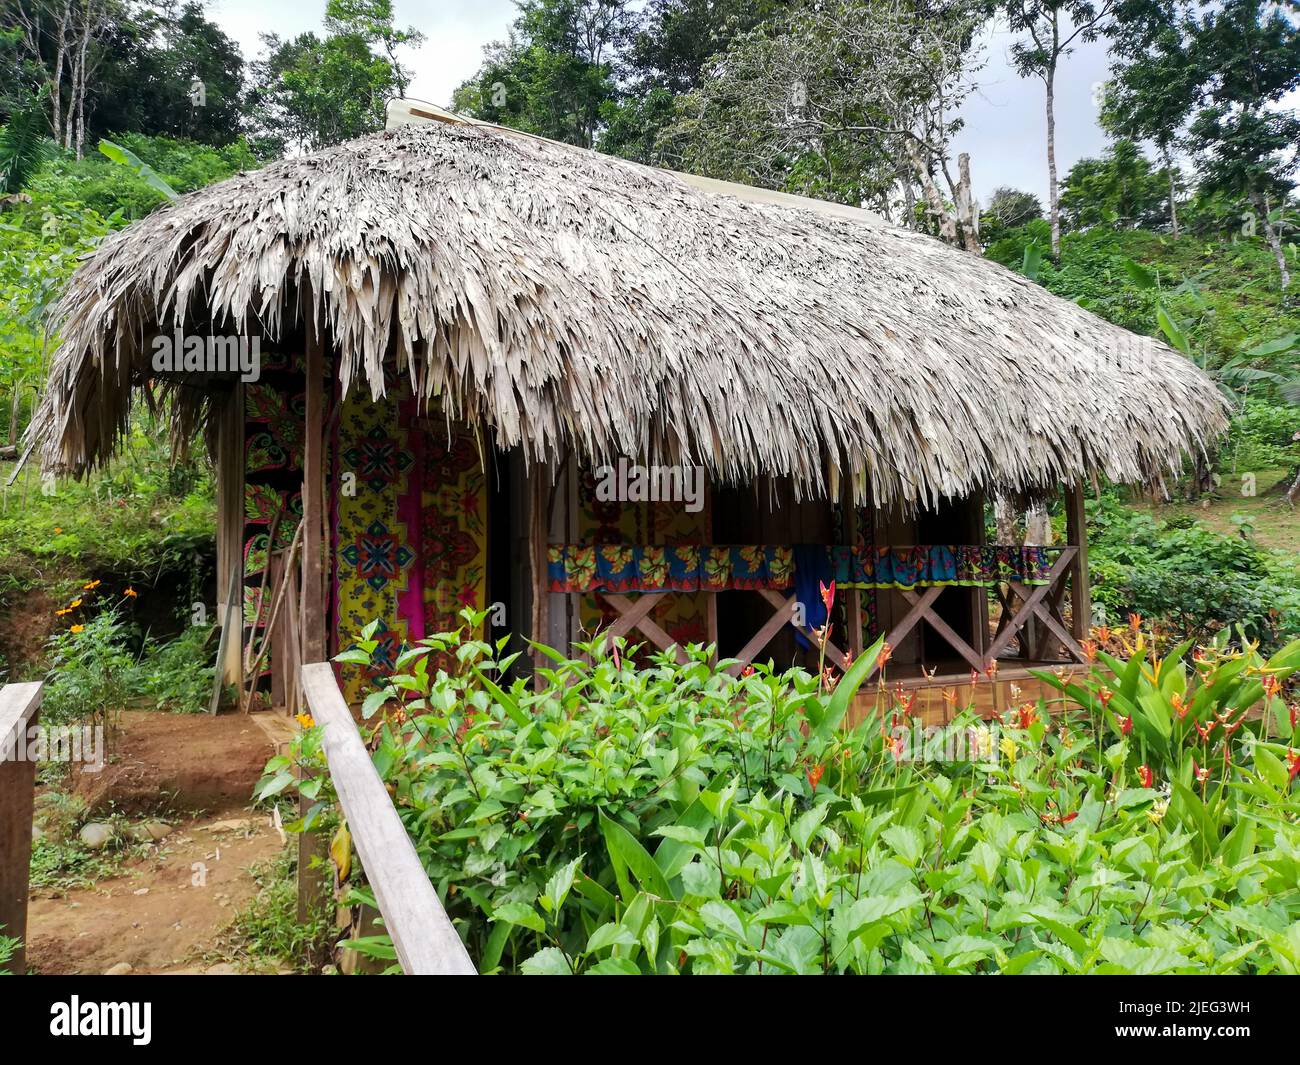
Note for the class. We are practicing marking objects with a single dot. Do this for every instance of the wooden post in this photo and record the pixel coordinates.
(230, 535)
(19, 709)
(423, 936)
(311, 881)
(538, 526)
(313, 504)
(1076, 529)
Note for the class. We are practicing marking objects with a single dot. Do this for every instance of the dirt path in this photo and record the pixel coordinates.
(164, 910)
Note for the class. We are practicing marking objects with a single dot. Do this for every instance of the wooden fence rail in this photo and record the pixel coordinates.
(19, 708)
(422, 933)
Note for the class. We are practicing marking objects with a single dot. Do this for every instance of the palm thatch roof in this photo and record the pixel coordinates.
(566, 299)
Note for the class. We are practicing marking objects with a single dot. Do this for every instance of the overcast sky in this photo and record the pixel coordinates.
(1005, 120)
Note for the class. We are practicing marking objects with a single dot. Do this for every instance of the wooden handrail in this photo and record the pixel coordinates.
(423, 935)
(19, 709)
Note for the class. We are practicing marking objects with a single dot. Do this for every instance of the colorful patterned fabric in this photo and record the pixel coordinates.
(273, 414)
(409, 524)
(680, 568)
(640, 568)
(924, 565)
(657, 524)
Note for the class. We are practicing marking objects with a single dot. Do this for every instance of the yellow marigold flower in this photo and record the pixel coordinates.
(57, 530)
(305, 720)
(130, 592)
(74, 604)
(65, 611)
(91, 586)
(77, 628)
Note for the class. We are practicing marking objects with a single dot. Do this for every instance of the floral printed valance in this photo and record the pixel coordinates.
(723, 567)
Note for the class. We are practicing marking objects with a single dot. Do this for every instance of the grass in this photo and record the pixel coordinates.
(1276, 524)
(266, 934)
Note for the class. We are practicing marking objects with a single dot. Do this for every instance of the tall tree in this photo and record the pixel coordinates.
(314, 91)
(1049, 30)
(556, 72)
(1122, 189)
(852, 100)
(1154, 84)
(1248, 56)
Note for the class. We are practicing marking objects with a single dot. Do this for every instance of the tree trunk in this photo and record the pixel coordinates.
(1270, 234)
(1005, 518)
(1053, 193)
(15, 409)
(933, 201)
(56, 83)
(1293, 493)
(1038, 526)
(968, 214)
(1173, 189)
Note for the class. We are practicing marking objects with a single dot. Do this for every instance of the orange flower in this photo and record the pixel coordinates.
(1026, 715)
(828, 595)
(74, 604)
(885, 652)
(895, 747)
(61, 613)
(815, 775)
(77, 628)
(1180, 707)
(1146, 775)
(57, 530)
(130, 593)
(1105, 695)
(992, 671)
(1271, 685)
(1135, 623)
(1125, 725)
(748, 671)
(1293, 762)
(91, 586)
(1090, 650)
(829, 679)
(305, 720)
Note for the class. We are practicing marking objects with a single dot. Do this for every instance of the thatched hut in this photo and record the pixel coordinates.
(503, 372)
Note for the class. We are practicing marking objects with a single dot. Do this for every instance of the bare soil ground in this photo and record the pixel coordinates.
(164, 910)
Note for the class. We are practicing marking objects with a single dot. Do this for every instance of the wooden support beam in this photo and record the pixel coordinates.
(783, 604)
(313, 501)
(945, 630)
(1032, 606)
(636, 614)
(1076, 534)
(19, 711)
(423, 936)
(538, 523)
(229, 469)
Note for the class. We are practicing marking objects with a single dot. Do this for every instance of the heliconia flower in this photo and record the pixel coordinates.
(992, 670)
(748, 671)
(1271, 685)
(829, 679)
(1105, 695)
(950, 696)
(1103, 633)
(1026, 715)
(1125, 725)
(1293, 762)
(1294, 710)
(885, 652)
(1180, 707)
(894, 746)
(815, 775)
(828, 595)
(1146, 775)
(1135, 623)
(1201, 775)
(1090, 650)
(1069, 817)
(1204, 731)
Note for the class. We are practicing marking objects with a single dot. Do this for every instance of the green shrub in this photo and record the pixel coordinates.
(676, 819)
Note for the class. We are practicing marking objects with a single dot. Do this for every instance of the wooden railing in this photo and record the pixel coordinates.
(19, 708)
(423, 935)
